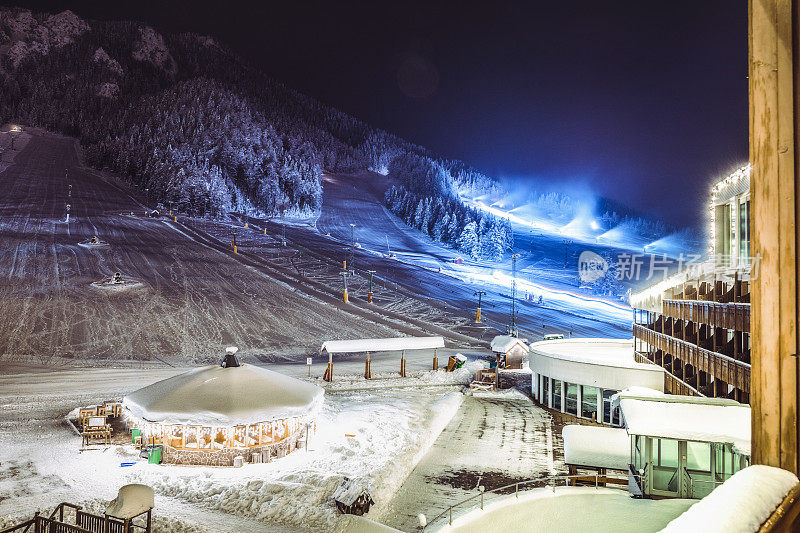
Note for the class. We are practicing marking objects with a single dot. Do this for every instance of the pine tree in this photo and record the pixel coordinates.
(468, 241)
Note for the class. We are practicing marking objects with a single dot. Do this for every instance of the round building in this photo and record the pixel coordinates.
(213, 414)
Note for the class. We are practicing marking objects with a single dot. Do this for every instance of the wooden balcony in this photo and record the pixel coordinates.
(736, 373)
(735, 316)
(672, 384)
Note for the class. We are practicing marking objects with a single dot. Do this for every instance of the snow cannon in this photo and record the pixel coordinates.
(117, 277)
(230, 360)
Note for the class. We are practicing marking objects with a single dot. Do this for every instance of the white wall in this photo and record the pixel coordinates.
(598, 375)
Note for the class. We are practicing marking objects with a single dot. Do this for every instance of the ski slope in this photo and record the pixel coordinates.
(430, 269)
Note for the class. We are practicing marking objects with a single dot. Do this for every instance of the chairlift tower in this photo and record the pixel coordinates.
(479, 294)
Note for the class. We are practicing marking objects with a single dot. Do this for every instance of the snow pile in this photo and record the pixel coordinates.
(596, 446)
(567, 509)
(102, 58)
(217, 396)
(376, 437)
(740, 505)
(131, 501)
(151, 48)
(688, 418)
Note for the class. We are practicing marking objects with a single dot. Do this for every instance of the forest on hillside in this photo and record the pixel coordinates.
(184, 118)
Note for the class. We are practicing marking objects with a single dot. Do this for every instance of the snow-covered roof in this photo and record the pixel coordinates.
(132, 500)
(503, 343)
(383, 345)
(740, 505)
(217, 396)
(596, 446)
(608, 352)
(692, 418)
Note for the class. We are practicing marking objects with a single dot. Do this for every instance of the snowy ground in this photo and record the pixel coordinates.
(495, 439)
(569, 510)
(391, 428)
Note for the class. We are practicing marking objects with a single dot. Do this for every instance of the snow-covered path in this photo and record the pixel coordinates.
(494, 440)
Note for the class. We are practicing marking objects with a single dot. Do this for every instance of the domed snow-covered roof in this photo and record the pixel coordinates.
(224, 396)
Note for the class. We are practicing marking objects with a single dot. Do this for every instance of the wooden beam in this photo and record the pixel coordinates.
(773, 187)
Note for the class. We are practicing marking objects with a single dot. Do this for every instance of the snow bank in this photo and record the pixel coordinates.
(596, 446)
(131, 501)
(568, 509)
(740, 505)
(373, 436)
(217, 396)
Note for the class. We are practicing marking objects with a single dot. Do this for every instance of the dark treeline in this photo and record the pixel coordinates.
(186, 119)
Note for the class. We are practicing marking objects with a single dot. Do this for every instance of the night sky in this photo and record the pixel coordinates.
(645, 103)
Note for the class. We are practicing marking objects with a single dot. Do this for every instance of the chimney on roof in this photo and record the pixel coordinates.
(230, 357)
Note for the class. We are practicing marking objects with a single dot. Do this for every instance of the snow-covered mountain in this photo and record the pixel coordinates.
(184, 118)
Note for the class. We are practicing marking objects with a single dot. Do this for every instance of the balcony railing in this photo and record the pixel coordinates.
(730, 315)
(736, 373)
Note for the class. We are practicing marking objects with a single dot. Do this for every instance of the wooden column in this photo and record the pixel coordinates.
(774, 208)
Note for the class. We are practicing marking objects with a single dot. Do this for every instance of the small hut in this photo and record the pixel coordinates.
(214, 414)
(512, 351)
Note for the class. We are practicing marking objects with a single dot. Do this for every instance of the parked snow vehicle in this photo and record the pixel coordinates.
(352, 497)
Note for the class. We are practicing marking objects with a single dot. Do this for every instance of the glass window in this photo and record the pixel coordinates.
(744, 230)
(572, 398)
(698, 456)
(636, 444)
(666, 453)
(545, 395)
(610, 416)
(557, 392)
(723, 464)
(589, 402)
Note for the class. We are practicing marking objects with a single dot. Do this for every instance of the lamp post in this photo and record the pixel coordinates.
(344, 275)
(514, 332)
(352, 246)
(369, 294)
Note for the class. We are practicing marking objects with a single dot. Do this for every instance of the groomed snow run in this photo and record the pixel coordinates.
(567, 510)
(740, 505)
(217, 396)
(596, 446)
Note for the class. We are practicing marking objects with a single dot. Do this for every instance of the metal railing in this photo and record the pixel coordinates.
(506, 488)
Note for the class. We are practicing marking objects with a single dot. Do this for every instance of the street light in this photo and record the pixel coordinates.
(514, 332)
(369, 295)
(353, 247)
